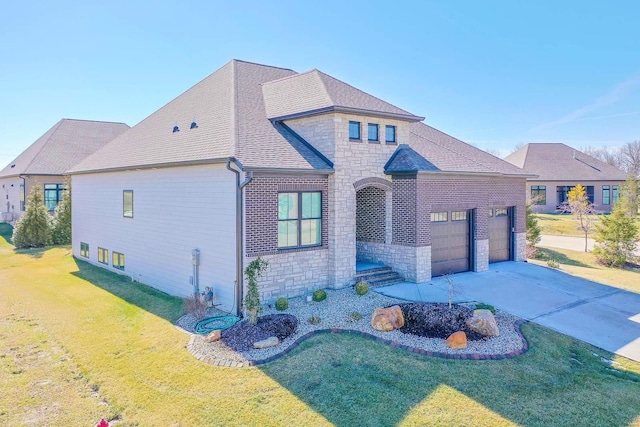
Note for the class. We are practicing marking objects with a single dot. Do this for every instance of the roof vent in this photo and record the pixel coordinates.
(194, 125)
(176, 129)
(13, 165)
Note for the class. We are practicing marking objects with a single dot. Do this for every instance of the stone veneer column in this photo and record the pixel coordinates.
(481, 259)
(520, 251)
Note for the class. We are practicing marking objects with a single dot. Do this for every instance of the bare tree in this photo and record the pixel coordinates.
(579, 206)
(604, 154)
(630, 157)
(493, 152)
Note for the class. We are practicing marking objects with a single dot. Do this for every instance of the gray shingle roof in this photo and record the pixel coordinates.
(405, 159)
(559, 162)
(229, 110)
(315, 91)
(63, 146)
(448, 154)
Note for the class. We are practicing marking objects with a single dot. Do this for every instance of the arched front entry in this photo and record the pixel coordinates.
(373, 218)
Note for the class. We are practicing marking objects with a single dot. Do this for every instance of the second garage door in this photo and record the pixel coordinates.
(450, 248)
(499, 235)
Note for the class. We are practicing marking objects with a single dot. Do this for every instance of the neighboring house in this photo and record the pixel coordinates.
(327, 175)
(45, 161)
(559, 168)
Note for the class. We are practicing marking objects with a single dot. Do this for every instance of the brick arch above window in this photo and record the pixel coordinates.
(380, 183)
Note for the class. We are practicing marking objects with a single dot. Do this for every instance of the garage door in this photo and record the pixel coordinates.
(499, 235)
(450, 249)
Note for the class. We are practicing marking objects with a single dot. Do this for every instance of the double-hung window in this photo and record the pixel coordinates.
(539, 194)
(615, 194)
(606, 195)
(354, 131)
(299, 219)
(127, 203)
(390, 134)
(373, 132)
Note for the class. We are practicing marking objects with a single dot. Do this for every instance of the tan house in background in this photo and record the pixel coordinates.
(45, 161)
(559, 168)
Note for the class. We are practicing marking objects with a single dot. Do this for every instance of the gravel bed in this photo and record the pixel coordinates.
(334, 312)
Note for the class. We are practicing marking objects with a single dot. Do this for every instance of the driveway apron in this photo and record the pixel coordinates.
(601, 315)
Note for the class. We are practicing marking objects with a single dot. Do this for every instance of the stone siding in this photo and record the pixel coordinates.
(481, 260)
(520, 250)
(293, 274)
(412, 263)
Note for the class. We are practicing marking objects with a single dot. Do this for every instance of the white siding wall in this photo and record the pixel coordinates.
(175, 210)
(10, 193)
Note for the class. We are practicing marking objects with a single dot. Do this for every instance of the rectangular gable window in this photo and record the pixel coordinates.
(103, 256)
(539, 194)
(118, 260)
(84, 250)
(439, 217)
(606, 195)
(299, 219)
(390, 134)
(354, 130)
(127, 203)
(373, 132)
(616, 194)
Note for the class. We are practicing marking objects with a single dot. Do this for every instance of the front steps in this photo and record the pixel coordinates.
(378, 275)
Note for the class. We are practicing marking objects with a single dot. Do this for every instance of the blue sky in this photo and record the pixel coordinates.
(492, 73)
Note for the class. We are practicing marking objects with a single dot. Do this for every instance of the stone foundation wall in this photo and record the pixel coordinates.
(293, 274)
(412, 263)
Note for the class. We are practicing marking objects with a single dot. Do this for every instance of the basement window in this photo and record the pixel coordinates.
(103, 256)
(84, 250)
(118, 260)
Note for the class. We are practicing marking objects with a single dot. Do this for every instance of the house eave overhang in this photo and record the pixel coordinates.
(289, 171)
(457, 173)
(356, 111)
(214, 161)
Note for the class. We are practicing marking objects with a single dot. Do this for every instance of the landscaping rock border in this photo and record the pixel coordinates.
(334, 313)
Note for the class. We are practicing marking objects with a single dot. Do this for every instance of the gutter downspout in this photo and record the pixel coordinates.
(239, 230)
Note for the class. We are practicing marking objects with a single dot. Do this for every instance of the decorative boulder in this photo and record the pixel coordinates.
(457, 340)
(483, 323)
(269, 342)
(387, 319)
(213, 336)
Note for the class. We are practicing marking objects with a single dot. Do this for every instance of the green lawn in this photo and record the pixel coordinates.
(78, 343)
(562, 225)
(583, 264)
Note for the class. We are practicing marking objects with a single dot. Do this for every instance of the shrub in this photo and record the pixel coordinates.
(314, 320)
(282, 304)
(252, 303)
(33, 229)
(553, 263)
(354, 315)
(616, 237)
(196, 307)
(533, 231)
(319, 295)
(362, 288)
(61, 224)
(483, 306)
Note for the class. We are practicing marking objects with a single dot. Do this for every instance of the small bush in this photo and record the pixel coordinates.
(319, 295)
(282, 304)
(314, 320)
(362, 288)
(196, 307)
(355, 316)
(483, 306)
(553, 263)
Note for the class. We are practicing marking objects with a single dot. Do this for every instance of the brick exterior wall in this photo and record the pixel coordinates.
(261, 207)
(370, 215)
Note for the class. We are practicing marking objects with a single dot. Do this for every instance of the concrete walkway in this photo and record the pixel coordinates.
(601, 315)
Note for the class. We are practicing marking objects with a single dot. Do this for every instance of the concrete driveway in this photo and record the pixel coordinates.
(601, 315)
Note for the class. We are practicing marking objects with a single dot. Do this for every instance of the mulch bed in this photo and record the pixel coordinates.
(242, 335)
(437, 320)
